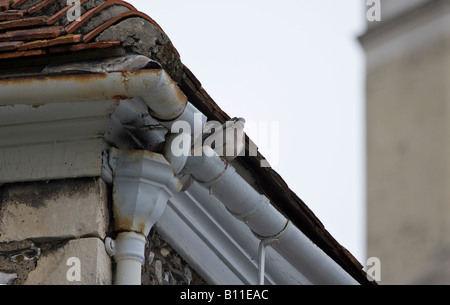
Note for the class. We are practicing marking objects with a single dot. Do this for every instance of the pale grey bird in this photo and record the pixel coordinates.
(227, 140)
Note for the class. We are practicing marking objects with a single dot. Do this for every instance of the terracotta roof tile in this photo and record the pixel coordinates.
(85, 46)
(10, 45)
(88, 37)
(63, 12)
(49, 43)
(4, 5)
(11, 15)
(22, 54)
(87, 16)
(43, 25)
(21, 23)
(18, 3)
(39, 6)
(32, 34)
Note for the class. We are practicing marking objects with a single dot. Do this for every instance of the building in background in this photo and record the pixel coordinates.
(408, 143)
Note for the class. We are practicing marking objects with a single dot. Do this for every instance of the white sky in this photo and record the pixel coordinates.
(295, 62)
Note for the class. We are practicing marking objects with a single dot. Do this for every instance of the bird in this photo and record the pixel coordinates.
(227, 139)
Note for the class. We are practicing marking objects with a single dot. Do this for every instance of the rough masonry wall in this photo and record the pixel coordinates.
(46, 226)
(163, 266)
(52, 232)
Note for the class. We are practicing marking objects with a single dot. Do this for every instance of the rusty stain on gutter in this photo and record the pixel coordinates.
(75, 78)
(164, 98)
(274, 187)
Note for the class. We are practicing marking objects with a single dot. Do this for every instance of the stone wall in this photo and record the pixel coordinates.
(50, 232)
(163, 266)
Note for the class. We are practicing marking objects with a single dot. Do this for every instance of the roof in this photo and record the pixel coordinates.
(36, 33)
(32, 28)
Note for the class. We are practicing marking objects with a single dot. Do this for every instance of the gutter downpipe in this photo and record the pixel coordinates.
(143, 181)
(143, 184)
(135, 170)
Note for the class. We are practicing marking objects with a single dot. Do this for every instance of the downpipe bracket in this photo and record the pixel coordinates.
(128, 251)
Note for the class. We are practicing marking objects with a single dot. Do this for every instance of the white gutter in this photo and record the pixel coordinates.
(165, 100)
(267, 223)
(143, 181)
(133, 188)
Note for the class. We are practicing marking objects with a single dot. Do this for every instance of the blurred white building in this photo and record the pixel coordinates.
(408, 164)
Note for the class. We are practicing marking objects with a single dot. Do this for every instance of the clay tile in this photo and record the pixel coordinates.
(87, 16)
(22, 54)
(21, 23)
(113, 21)
(10, 45)
(18, 3)
(85, 46)
(61, 13)
(32, 34)
(38, 7)
(49, 43)
(4, 5)
(11, 15)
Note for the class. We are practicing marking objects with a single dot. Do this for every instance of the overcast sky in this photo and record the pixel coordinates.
(294, 65)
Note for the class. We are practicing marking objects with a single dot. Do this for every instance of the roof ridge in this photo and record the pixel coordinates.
(22, 17)
(62, 12)
(89, 14)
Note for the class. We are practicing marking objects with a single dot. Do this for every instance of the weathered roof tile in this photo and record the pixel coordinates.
(10, 45)
(4, 5)
(32, 34)
(22, 54)
(11, 15)
(17, 3)
(84, 46)
(87, 16)
(21, 23)
(42, 24)
(49, 43)
(91, 35)
(39, 6)
(63, 12)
